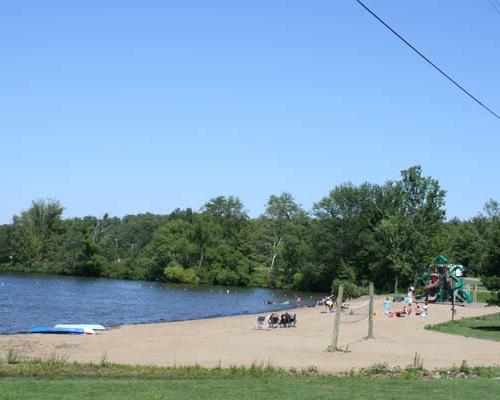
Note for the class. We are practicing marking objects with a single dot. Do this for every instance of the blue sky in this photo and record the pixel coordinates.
(127, 106)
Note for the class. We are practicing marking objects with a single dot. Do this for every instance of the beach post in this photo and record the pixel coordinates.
(370, 314)
(336, 324)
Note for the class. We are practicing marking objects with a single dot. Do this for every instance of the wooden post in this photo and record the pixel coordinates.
(370, 314)
(474, 294)
(336, 324)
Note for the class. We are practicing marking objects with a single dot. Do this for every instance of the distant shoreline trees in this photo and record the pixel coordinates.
(355, 234)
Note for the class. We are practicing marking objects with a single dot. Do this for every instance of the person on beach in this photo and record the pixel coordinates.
(409, 296)
(387, 306)
(298, 301)
(409, 310)
(274, 320)
(425, 308)
(285, 320)
(328, 302)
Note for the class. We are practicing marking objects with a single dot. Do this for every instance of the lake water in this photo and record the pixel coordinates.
(27, 301)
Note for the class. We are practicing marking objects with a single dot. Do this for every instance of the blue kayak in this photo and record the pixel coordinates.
(60, 331)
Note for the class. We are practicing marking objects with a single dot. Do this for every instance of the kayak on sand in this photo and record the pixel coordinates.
(95, 327)
(61, 331)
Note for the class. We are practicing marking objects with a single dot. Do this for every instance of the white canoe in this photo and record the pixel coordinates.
(81, 326)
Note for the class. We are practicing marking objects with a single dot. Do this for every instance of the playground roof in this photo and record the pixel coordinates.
(441, 260)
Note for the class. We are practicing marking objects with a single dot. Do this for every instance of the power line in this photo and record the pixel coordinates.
(495, 6)
(429, 61)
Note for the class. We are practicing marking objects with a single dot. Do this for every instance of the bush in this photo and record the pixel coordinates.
(311, 277)
(351, 290)
(176, 273)
(260, 277)
(227, 277)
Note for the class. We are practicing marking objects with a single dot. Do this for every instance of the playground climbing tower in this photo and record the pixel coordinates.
(444, 282)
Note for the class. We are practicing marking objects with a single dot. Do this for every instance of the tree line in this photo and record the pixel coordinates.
(355, 234)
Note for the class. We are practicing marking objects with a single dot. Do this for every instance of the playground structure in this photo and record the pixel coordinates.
(444, 282)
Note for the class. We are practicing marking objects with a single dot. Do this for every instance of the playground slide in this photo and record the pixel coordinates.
(463, 295)
(431, 289)
(432, 298)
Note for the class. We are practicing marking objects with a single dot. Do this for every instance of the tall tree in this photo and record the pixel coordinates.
(228, 212)
(282, 211)
(491, 261)
(34, 229)
(412, 230)
(5, 243)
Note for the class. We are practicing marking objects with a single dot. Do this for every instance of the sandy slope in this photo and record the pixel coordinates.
(233, 340)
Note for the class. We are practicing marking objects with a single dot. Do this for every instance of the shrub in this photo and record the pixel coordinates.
(227, 277)
(260, 277)
(176, 273)
(351, 290)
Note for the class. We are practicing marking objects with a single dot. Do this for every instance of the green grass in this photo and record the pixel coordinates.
(54, 378)
(249, 388)
(55, 368)
(485, 327)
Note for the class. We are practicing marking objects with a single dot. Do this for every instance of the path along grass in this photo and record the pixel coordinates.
(485, 327)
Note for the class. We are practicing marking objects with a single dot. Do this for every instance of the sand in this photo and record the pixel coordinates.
(235, 341)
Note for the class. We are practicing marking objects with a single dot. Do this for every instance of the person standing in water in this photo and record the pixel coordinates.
(298, 301)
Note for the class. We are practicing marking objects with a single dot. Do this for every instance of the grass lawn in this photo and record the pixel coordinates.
(485, 327)
(249, 388)
(54, 378)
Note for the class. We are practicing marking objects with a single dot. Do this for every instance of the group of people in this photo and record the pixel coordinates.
(407, 310)
(286, 320)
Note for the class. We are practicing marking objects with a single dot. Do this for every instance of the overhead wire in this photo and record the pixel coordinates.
(428, 60)
(495, 5)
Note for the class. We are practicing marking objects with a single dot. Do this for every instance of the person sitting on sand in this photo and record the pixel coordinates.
(409, 310)
(285, 320)
(273, 320)
(425, 308)
(403, 312)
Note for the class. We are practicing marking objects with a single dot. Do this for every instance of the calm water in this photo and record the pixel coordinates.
(27, 301)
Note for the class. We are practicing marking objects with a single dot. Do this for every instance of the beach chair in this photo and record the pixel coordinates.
(292, 320)
(346, 305)
(261, 322)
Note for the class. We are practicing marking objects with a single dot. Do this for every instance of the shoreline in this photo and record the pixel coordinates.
(156, 322)
(233, 340)
(165, 302)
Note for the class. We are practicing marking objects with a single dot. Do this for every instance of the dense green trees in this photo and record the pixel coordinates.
(491, 253)
(355, 234)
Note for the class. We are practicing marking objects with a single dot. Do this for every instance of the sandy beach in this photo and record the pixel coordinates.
(235, 341)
